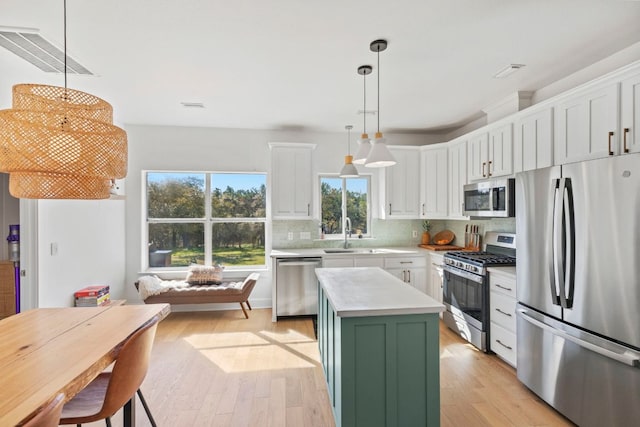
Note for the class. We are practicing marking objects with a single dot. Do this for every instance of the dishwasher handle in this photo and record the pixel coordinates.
(297, 262)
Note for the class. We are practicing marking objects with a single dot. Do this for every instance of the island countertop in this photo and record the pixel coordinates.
(371, 291)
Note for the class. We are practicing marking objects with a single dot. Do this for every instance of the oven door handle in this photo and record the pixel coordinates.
(462, 273)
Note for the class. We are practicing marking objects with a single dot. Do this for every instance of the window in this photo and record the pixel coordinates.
(206, 218)
(345, 197)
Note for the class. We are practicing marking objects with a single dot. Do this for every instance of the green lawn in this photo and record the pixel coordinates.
(225, 256)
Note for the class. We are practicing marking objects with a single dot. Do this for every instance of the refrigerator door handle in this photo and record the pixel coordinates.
(627, 357)
(555, 261)
(569, 244)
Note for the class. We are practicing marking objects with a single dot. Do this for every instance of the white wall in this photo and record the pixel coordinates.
(89, 235)
(227, 150)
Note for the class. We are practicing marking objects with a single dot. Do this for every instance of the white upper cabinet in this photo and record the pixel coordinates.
(533, 141)
(478, 153)
(630, 115)
(433, 182)
(491, 153)
(291, 180)
(401, 185)
(457, 177)
(500, 158)
(586, 125)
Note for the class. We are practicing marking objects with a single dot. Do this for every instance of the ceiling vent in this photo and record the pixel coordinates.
(33, 48)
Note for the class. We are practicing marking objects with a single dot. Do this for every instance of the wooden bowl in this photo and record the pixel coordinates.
(443, 238)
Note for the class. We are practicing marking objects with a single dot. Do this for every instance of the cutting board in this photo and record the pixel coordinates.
(442, 247)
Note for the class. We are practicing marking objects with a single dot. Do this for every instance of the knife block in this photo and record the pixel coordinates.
(472, 242)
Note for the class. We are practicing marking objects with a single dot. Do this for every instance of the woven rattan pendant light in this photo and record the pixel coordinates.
(60, 143)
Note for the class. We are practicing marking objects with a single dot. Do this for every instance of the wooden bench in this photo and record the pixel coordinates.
(208, 294)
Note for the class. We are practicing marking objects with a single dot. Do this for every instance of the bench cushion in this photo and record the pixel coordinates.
(181, 293)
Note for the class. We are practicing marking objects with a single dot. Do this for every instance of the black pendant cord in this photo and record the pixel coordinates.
(65, 46)
(364, 111)
(378, 49)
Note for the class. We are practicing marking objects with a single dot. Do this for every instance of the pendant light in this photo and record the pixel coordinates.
(364, 143)
(348, 170)
(379, 156)
(60, 143)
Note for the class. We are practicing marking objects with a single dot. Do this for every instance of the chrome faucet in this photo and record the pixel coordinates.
(347, 231)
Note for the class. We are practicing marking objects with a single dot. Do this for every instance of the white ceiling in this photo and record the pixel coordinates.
(283, 64)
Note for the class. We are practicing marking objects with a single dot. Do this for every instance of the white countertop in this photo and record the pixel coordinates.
(320, 252)
(371, 291)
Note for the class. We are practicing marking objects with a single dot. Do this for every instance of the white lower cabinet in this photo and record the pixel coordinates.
(436, 276)
(368, 261)
(502, 303)
(411, 270)
(338, 261)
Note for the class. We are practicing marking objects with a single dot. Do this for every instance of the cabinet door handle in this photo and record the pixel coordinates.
(484, 175)
(389, 208)
(503, 287)
(406, 262)
(503, 312)
(404, 279)
(624, 139)
(308, 209)
(489, 168)
(610, 136)
(423, 209)
(504, 345)
(409, 274)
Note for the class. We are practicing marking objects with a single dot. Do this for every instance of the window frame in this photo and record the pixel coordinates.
(207, 220)
(369, 178)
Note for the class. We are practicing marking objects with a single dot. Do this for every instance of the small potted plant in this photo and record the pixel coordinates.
(426, 237)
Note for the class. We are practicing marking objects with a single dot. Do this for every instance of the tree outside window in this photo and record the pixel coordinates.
(206, 218)
(345, 196)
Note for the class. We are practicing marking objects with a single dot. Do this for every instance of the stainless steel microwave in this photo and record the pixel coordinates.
(492, 198)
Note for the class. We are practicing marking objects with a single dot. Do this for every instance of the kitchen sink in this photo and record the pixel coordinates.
(339, 251)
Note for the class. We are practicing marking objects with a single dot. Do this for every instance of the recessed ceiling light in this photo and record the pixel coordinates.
(508, 70)
(192, 104)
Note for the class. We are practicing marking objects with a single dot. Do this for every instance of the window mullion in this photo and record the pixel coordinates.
(208, 228)
(344, 206)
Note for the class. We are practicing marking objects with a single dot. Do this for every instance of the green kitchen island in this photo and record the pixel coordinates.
(379, 347)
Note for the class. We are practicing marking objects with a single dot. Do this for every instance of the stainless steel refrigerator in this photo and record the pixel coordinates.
(578, 288)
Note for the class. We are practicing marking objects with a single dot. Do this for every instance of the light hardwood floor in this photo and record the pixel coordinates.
(220, 369)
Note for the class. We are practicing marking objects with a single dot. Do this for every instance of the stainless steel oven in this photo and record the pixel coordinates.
(466, 287)
(465, 297)
(491, 198)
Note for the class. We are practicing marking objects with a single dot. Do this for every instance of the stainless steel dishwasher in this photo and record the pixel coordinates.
(297, 286)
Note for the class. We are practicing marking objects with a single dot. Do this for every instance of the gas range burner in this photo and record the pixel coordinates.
(483, 258)
(477, 262)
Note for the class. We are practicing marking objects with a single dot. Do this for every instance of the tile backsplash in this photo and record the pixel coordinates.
(384, 232)
(484, 225)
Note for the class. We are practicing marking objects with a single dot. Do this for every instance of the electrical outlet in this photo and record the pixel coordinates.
(54, 249)
(290, 235)
(305, 235)
(414, 233)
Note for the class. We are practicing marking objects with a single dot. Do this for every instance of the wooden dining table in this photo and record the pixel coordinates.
(46, 351)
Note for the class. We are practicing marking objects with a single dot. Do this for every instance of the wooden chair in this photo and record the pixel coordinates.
(48, 415)
(110, 391)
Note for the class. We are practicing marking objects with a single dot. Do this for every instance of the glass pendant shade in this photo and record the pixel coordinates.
(379, 156)
(364, 146)
(348, 170)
